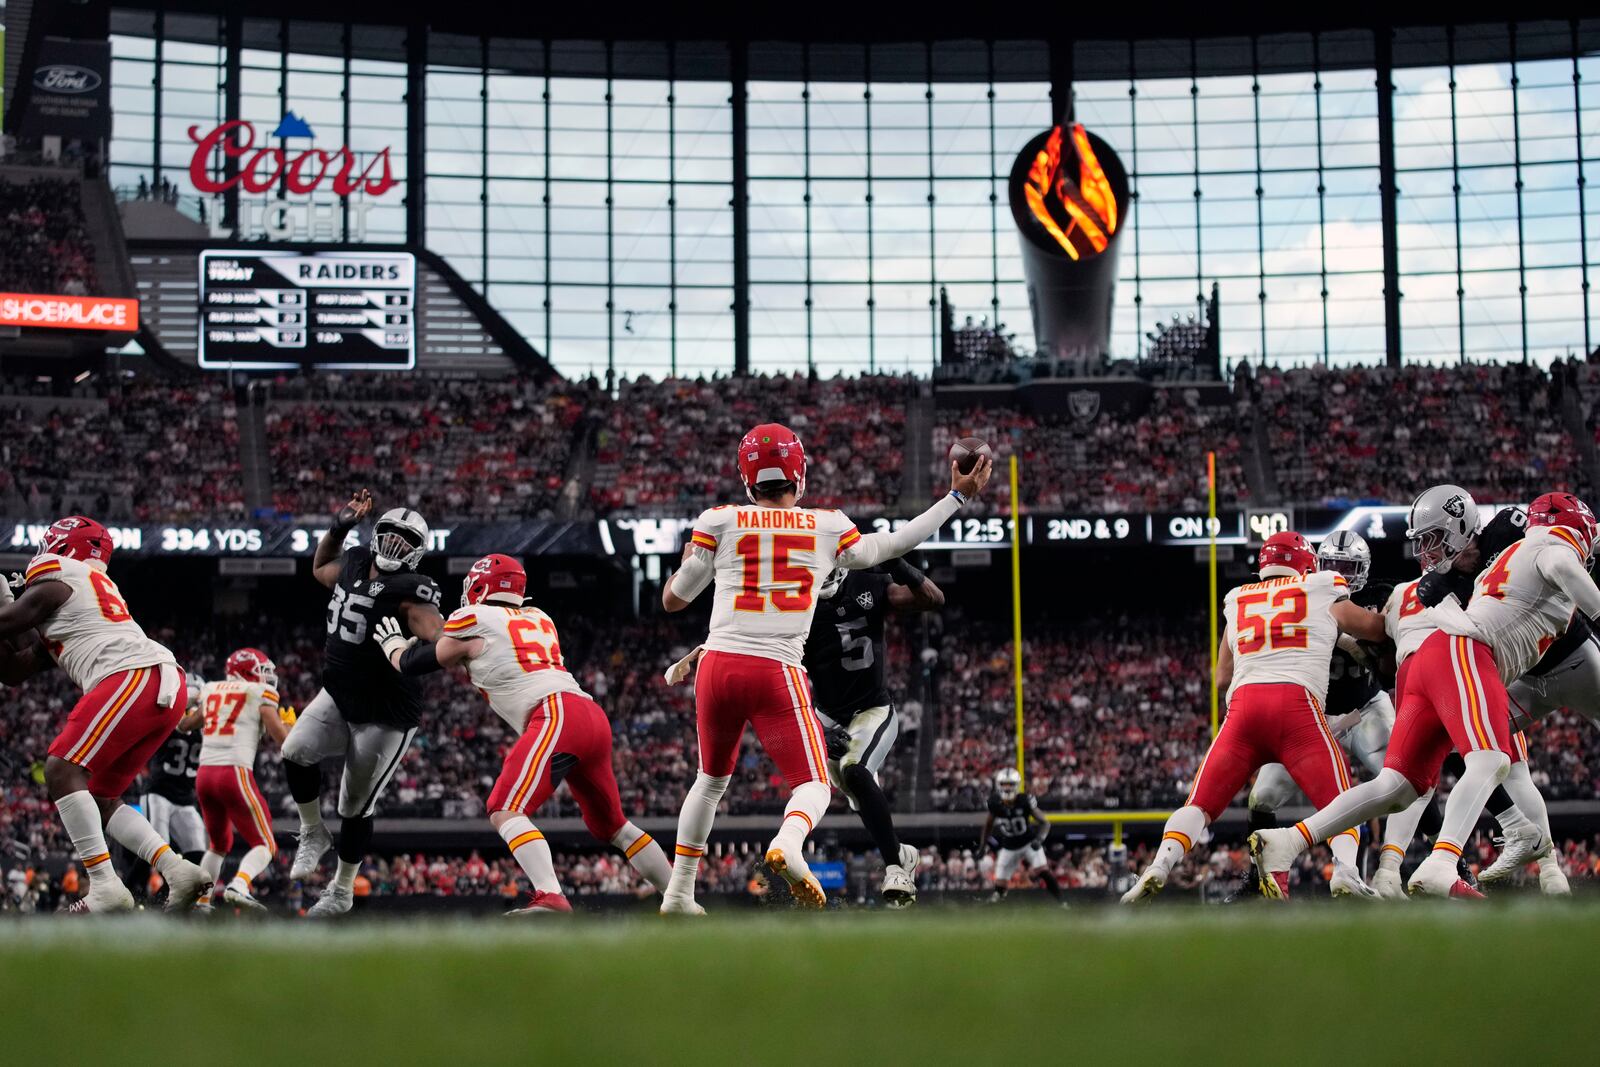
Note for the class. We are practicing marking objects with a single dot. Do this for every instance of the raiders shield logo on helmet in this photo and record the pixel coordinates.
(1455, 507)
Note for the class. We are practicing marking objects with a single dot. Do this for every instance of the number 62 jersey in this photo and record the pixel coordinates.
(354, 670)
(520, 663)
(1281, 630)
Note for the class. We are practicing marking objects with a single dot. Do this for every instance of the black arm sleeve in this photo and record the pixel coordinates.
(420, 658)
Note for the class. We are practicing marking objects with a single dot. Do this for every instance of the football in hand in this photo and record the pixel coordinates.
(965, 452)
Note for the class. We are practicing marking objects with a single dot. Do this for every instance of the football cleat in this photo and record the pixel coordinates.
(543, 903)
(900, 879)
(1346, 882)
(315, 841)
(241, 898)
(1524, 844)
(184, 887)
(1436, 876)
(1273, 852)
(1388, 884)
(672, 904)
(1552, 879)
(1150, 883)
(803, 885)
(333, 902)
(105, 897)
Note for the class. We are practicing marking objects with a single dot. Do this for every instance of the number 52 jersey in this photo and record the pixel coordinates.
(1281, 630)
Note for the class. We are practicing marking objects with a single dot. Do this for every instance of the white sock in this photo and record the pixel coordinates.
(532, 853)
(310, 814)
(1344, 847)
(345, 876)
(1182, 830)
(1399, 830)
(211, 863)
(699, 811)
(1528, 803)
(805, 809)
(1384, 795)
(646, 856)
(81, 816)
(135, 833)
(255, 861)
(1485, 770)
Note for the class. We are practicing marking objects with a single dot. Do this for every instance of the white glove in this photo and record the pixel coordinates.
(6, 595)
(390, 639)
(680, 670)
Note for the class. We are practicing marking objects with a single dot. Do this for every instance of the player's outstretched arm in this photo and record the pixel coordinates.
(22, 657)
(325, 564)
(1572, 578)
(913, 591)
(690, 580)
(36, 604)
(1358, 622)
(872, 549)
(410, 655)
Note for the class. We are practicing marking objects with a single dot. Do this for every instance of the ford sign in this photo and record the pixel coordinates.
(65, 78)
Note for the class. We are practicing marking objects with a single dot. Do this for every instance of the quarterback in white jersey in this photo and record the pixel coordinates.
(1273, 661)
(238, 711)
(768, 558)
(512, 654)
(71, 614)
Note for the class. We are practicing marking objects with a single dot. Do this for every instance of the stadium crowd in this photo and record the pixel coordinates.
(1105, 462)
(659, 445)
(452, 449)
(44, 242)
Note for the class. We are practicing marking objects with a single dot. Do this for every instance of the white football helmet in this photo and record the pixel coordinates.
(1008, 782)
(1346, 552)
(1442, 522)
(833, 583)
(399, 539)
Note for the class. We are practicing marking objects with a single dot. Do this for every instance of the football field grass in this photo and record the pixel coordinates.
(1174, 985)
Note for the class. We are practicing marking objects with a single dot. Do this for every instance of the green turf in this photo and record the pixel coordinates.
(1174, 985)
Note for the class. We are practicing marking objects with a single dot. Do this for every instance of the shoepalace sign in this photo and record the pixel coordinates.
(69, 312)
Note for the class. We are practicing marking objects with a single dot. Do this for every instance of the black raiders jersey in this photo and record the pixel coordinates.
(845, 650)
(354, 671)
(1578, 632)
(1353, 682)
(1013, 819)
(173, 769)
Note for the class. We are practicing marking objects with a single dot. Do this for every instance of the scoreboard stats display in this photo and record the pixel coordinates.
(267, 309)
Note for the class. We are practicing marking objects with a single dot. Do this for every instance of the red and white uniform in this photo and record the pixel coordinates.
(565, 735)
(1407, 622)
(225, 784)
(132, 687)
(768, 564)
(1282, 633)
(1453, 693)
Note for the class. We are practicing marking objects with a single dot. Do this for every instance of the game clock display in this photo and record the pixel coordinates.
(266, 309)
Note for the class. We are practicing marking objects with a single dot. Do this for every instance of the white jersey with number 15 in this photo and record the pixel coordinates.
(1282, 630)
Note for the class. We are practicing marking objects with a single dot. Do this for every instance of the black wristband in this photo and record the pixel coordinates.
(420, 658)
(904, 573)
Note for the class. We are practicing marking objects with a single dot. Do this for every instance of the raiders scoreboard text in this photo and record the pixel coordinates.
(278, 309)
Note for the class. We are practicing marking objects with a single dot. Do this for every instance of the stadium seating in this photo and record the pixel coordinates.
(44, 241)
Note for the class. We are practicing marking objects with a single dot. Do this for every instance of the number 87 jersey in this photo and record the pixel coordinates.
(769, 563)
(1282, 630)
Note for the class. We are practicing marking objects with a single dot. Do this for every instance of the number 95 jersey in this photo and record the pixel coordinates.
(92, 636)
(1281, 630)
(354, 670)
(769, 563)
(520, 664)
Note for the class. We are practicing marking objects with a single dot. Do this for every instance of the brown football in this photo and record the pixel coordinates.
(965, 452)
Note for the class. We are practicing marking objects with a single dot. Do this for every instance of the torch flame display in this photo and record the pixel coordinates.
(1075, 206)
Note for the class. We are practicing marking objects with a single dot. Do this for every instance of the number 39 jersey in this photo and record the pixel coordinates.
(92, 635)
(520, 663)
(233, 727)
(844, 653)
(768, 564)
(354, 670)
(1281, 630)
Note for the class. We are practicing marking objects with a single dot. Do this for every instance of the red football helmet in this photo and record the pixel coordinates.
(251, 665)
(772, 453)
(494, 575)
(1289, 551)
(77, 537)
(1567, 511)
